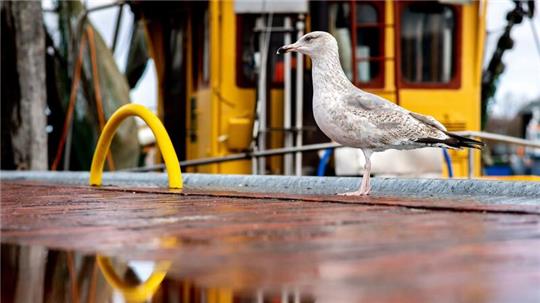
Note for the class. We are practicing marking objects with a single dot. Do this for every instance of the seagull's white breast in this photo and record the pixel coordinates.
(339, 124)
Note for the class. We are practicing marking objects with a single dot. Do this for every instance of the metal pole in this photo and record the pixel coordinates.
(117, 27)
(67, 146)
(105, 6)
(287, 102)
(299, 99)
(254, 163)
(264, 41)
(259, 296)
(241, 156)
(321, 146)
(470, 168)
(500, 138)
(284, 296)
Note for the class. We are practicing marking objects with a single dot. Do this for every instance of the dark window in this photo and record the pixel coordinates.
(201, 45)
(248, 50)
(368, 43)
(359, 29)
(339, 19)
(246, 71)
(428, 43)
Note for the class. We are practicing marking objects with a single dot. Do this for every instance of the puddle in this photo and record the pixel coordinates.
(32, 272)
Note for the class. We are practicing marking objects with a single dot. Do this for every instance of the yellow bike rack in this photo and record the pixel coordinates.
(162, 138)
(143, 291)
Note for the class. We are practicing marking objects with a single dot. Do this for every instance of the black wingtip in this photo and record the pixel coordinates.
(454, 141)
(466, 142)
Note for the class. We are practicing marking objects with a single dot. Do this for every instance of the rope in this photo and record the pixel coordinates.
(72, 277)
(97, 89)
(90, 38)
(71, 106)
(93, 281)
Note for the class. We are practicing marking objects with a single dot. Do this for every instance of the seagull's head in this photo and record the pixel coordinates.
(312, 44)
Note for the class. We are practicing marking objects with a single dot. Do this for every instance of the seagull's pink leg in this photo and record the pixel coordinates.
(366, 178)
(365, 185)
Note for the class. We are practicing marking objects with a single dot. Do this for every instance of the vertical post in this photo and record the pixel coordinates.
(67, 146)
(287, 106)
(299, 99)
(259, 296)
(261, 95)
(117, 26)
(284, 296)
(254, 162)
(26, 110)
(23, 57)
(296, 298)
(396, 60)
(470, 166)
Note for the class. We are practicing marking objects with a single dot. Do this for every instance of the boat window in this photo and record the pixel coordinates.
(368, 33)
(359, 24)
(246, 71)
(428, 39)
(201, 46)
(248, 50)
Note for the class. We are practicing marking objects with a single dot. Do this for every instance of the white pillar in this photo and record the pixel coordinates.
(299, 99)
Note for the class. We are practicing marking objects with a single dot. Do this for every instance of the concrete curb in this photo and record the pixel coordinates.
(499, 192)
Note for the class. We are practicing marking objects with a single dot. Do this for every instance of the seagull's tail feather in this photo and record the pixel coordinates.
(466, 142)
(453, 141)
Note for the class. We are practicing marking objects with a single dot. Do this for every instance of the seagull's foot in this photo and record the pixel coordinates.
(356, 193)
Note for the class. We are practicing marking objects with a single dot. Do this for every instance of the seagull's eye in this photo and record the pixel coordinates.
(308, 39)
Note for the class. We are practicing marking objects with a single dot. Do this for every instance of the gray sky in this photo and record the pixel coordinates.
(521, 80)
(518, 85)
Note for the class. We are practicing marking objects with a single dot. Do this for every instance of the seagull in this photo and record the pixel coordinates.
(358, 119)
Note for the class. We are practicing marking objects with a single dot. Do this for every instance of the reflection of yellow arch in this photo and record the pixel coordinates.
(146, 289)
(162, 138)
(133, 293)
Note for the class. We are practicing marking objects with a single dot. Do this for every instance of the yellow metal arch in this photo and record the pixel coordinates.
(133, 293)
(145, 290)
(162, 138)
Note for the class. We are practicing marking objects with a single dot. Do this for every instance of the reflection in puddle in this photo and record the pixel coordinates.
(134, 292)
(38, 274)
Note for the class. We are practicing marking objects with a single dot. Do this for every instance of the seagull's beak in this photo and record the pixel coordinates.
(288, 48)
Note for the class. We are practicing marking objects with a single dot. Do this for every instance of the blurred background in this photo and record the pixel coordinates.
(208, 69)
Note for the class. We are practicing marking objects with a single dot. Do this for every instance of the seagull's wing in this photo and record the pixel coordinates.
(393, 125)
(397, 126)
(389, 123)
(370, 102)
(366, 101)
(429, 120)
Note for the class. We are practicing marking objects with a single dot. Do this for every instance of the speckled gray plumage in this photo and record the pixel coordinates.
(353, 117)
